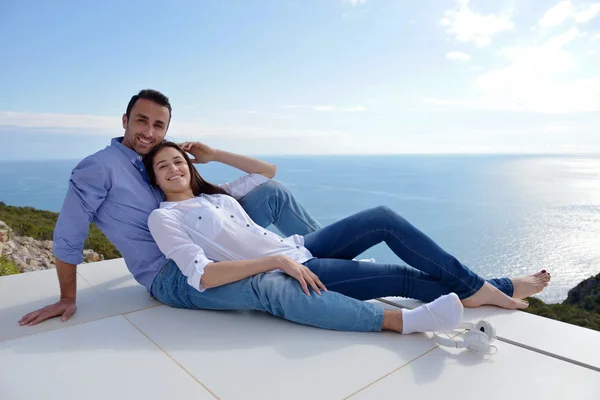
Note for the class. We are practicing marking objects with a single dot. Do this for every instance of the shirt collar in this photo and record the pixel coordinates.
(131, 155)
(171, 204)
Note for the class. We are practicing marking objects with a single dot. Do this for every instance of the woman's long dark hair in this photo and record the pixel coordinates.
(199, 185)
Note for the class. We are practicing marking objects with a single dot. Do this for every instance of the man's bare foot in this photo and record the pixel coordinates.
(489, 295)
(528, 285)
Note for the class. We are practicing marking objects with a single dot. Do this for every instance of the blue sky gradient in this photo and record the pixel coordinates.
(305, 77)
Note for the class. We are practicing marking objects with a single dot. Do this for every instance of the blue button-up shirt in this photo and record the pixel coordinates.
(111, 189)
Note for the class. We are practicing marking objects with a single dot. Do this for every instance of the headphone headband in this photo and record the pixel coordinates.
(478, 339)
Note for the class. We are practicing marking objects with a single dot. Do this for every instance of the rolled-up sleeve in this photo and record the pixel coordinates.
(244, 185)
(88, 187)
(177, 245)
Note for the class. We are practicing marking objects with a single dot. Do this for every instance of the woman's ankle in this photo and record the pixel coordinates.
(392, 320)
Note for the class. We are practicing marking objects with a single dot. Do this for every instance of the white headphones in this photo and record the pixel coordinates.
(477, 339)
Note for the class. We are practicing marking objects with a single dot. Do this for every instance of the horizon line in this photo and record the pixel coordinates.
(524, 154)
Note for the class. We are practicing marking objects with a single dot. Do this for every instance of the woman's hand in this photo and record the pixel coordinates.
(301, 273)
(201, 153)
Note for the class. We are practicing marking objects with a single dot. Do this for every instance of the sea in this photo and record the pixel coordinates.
(500, 215)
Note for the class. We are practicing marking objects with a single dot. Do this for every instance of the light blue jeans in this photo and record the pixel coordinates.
(432, 271)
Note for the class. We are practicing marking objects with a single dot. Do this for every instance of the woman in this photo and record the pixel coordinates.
(222, 260)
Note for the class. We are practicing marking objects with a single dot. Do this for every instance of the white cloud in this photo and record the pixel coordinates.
(557, 14)
(587, 14)
(111, 127)
(354, 3)
(267, 114)
(458, 56)
(470, 26)
(541, 79)
(68, 123)
(564, 10)
(328, 108)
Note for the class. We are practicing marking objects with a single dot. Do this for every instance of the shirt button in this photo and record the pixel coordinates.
(195, 261)
(142, 169)
(297, 247)
(199, 217)
(231, 216)
(281, 240)
(248, 225)
(139, 157)
(265, 233)
(217, 206)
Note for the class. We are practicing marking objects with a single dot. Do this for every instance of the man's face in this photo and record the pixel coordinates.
(146, 126)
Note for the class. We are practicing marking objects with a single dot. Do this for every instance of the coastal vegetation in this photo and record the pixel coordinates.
(39, 225)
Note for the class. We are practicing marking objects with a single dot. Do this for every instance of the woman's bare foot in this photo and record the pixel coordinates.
(528, 285)
(489, 295)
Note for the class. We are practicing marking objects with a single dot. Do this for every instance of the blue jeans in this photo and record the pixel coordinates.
(273, 203)
(433, 272)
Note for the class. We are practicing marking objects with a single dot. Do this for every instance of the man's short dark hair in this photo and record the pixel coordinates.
(152, 95)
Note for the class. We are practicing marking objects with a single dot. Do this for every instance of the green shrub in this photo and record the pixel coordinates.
(569, 313)
(6, 267)
(39, 224)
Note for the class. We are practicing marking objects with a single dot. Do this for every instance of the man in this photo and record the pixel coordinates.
(111, 189)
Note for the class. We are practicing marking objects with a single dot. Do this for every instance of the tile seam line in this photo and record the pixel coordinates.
(391, 372)
(77, 324)
(59, 328)
(548, 354)
(108, 316)
(108, 304)
(94, 288)
(521, 345)
(172, 358)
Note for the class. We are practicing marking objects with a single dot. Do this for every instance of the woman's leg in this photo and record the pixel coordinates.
(282, 296)
(359, 232)
(365, 280)
(275, 293)
(273, 203)
(353, 235)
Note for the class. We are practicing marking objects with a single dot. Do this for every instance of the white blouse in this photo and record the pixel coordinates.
(208, 228)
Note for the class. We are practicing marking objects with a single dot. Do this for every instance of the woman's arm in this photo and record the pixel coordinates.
(225, 272)
(204, 154)
(203, 273)
(176, 244)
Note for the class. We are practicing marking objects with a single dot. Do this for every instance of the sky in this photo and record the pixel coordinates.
(279, 77)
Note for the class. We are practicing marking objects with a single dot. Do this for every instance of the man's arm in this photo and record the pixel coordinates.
(88, 187)
(66, 306)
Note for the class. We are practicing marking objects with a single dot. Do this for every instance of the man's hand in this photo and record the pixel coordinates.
(301, 273)
(201, 153)
(64, 307)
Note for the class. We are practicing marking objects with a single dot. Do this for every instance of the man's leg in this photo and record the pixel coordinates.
(273, 203)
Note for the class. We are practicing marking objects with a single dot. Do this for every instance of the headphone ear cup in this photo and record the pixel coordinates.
(487, 328)
(476, 341)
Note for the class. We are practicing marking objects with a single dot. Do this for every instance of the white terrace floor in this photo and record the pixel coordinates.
(123, 345)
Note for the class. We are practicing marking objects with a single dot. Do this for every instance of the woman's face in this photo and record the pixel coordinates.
(171, 170)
